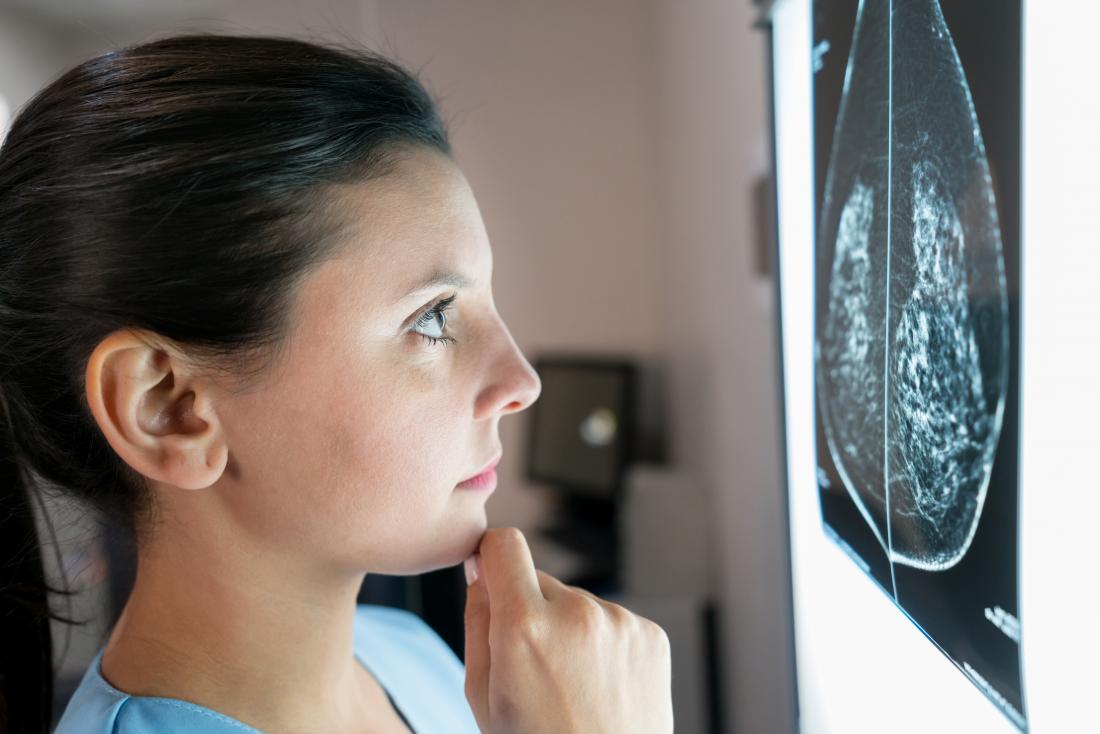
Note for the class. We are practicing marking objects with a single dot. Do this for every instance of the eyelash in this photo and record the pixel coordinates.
(440, 308)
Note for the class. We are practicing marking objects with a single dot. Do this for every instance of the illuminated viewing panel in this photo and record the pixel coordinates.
(917, 168)
(938, 273)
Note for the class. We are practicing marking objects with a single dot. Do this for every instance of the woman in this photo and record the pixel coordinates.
(246, 313)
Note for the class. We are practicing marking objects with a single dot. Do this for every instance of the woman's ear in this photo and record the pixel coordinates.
(156, 415)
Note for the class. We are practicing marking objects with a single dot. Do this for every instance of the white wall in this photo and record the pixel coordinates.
(39, 39)
(720, 337)
(30, 53)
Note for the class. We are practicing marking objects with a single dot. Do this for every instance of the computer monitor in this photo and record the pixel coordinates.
(938, 271)
(582, 427)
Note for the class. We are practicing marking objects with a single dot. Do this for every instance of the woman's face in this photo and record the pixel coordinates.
(352, 452)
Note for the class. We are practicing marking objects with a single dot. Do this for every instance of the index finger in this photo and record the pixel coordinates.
(510, 576)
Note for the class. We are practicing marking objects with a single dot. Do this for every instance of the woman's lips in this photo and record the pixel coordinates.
(487, 479)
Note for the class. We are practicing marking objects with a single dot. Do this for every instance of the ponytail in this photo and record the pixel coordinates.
(26, 646)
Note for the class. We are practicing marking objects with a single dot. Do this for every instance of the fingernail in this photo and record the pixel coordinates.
(470, 566)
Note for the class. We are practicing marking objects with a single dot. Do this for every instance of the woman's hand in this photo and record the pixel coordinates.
(543, 657)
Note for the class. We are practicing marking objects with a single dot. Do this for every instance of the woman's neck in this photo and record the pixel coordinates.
(245, 634)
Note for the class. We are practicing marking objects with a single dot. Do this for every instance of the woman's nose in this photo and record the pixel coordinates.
(515, 384)
(528, 388)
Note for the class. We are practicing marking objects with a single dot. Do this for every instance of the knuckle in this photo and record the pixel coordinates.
(619, 615)
(660, 636)
(587, 613)
(651, 631)
(545, 578)
(529, 632)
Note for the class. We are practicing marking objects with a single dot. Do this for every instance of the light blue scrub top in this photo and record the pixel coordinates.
(421, 674)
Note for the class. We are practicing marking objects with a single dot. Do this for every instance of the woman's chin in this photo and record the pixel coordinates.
(467, 542)
(460, 544)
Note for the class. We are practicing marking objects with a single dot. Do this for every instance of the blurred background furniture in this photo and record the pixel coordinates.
(582, 436)
(665, 568)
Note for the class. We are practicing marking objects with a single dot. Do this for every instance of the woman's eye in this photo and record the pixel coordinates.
(434, 320)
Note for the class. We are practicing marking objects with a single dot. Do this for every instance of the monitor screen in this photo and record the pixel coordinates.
(931, 565)
(581, 428)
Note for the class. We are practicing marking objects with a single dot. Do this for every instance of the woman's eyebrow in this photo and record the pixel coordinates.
(437, 278)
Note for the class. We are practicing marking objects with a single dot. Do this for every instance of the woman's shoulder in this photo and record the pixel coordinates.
(416, 666)
(396, 619)
(381, 628)
(97, 707)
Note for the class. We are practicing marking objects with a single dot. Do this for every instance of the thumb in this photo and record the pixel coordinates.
(477, 642)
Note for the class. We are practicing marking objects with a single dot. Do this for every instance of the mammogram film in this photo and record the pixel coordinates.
(913, 334)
